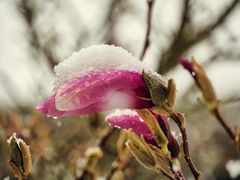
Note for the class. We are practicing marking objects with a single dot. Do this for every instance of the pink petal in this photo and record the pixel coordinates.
(96, 87)
(131, 121)
(98, 92)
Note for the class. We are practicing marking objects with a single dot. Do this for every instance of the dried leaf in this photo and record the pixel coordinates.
(134, 139)
(160, 158)
(161, 110)
(27, 162)
(140, 150)
(15, 170)
(171, 92)
(123, 152)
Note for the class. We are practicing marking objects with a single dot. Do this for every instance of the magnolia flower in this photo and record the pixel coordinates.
(101, 78)
(128, 119)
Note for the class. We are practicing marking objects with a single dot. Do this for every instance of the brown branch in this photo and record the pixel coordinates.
(147, 37)
(176, 46)
(221, 19)
(184, 20)
(220, 119)
(110, 21)
(186, 39)
(123, 159)
(104, 136)
(180, 123)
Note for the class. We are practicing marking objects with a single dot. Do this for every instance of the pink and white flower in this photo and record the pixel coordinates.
(95, 79)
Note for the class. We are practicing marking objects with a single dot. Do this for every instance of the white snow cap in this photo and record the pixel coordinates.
(96, 58)
(119, 112)
(124, 112)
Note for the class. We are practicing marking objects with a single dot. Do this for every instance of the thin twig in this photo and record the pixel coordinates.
(147, 37)
(28, 12)
(178, 174)
(115, 166)
(104, 136)
(220, 119)
(177, 45)
(123, 159)
(186, 39)
(100, 143)
(195, 172)
(184, 19)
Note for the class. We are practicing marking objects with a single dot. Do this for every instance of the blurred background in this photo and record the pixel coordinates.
(35, 35)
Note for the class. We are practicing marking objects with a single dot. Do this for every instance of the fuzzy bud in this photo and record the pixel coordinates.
(197, 71)
(20, 158)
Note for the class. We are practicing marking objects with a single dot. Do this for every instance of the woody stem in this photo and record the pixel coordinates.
(195, 172)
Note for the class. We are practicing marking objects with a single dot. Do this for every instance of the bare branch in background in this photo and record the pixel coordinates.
(28, 12)
(147, 37)
(221, 19)
(185, 39)
(109, 22)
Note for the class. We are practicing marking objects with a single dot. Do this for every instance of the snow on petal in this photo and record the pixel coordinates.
(96, 58)
(96, 79)
(127, 119)
(96, 87)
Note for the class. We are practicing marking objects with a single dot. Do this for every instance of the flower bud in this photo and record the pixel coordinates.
(154, 127)
(198, 73)
(157, 86)
(20, 157)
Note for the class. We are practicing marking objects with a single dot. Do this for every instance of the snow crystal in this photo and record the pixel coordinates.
(96, 58)
(119, 112)
(233, 167)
